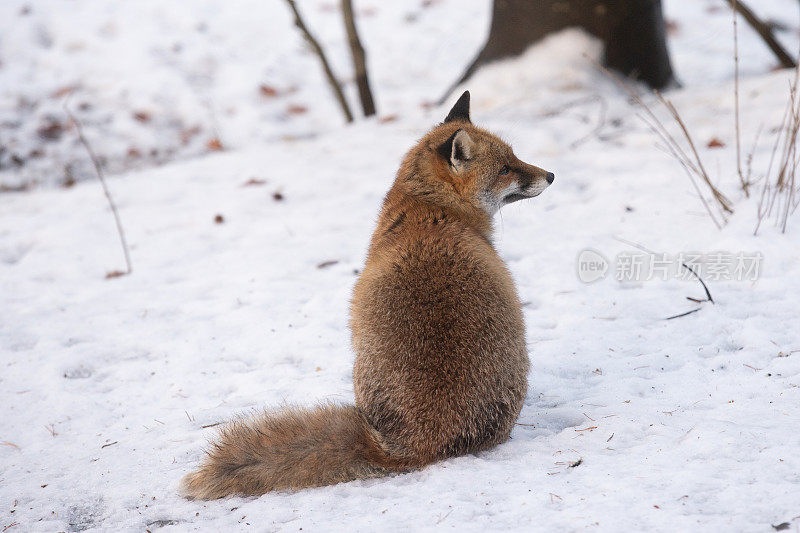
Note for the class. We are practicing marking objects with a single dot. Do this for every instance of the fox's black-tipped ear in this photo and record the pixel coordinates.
(457, 149)
(460, 110)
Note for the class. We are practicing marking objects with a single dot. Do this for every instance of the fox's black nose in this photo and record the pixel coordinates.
(550, 177)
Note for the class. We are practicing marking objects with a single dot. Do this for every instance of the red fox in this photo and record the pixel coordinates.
(441, 363)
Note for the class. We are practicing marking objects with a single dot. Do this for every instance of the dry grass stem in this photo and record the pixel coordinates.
(99, 169)
(744, 182)
(693, 165)
(780, 194)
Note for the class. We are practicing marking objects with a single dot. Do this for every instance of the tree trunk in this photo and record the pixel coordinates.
(632, 31)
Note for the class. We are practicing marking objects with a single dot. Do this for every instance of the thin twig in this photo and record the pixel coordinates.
(683, 314)
(751, 154)
(687, 267)
(337, 89)
(359, 59)
(744, 182)
(765, 32)
(601, 122)
(99, 169)
(703, 283)
(441, 518)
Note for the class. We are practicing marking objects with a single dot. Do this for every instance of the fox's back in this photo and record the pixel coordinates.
(441, 363)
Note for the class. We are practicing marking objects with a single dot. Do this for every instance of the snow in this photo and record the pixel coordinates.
(679, 425)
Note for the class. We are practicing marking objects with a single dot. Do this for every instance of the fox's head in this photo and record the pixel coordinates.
(476, 166)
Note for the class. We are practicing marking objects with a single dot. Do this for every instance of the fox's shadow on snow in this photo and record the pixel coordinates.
(540, 418)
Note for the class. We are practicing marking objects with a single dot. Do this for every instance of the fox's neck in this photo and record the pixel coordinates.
(427, 202)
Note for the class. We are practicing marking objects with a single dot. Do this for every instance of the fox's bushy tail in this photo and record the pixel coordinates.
(290, 449)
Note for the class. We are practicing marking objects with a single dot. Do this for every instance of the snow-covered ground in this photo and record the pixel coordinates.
(686, 424)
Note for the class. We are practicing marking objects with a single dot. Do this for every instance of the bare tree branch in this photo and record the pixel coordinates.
(99, 169)
(765, 32)
(359, 59)
(337, 89)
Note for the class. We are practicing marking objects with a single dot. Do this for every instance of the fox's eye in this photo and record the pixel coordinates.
(504, 170)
